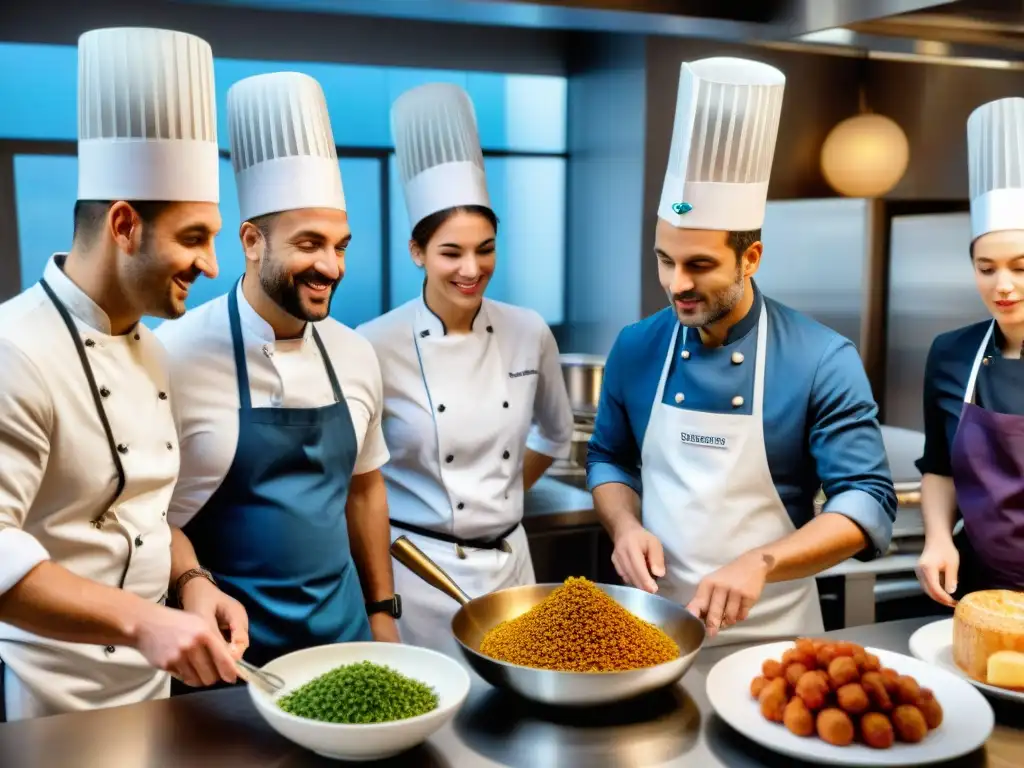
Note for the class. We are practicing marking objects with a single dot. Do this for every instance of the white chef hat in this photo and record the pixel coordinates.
(282, 145)
(147, 120)
(995, 153)
(723, 143)
(438, 150)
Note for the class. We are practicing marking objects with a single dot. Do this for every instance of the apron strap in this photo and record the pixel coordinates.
(241, 370)
(973, 380)
(3, 692)
(328, 366)
(97, 399)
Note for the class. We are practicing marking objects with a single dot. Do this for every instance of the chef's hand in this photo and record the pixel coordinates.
(638, 557)
(384, 628)
(222, 612)
(727, 595)
(937, 569)
(186, 645)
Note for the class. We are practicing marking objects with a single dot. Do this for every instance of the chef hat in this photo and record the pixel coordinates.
(438, 150)
(723, 143)
(282, 146)
(995, 153)
(147, 121)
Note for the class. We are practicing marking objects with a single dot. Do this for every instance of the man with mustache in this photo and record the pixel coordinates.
(279, 405)
(721, 416)
(88, 451)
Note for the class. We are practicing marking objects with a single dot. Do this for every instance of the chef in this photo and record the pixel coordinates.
(973, 462)
(475, 406)
(279, 405)
(721, 415)
(88, 449)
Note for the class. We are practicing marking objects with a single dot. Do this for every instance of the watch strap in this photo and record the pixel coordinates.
(190, 574)
(391, 606)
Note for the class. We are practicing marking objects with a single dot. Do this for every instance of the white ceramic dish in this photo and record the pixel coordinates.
(373, 741)
(967, 723)
(934, 643)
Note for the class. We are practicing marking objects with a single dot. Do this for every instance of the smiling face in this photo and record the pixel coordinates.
(701, 273)
(998, 260)
(300, 256)
(459, 259)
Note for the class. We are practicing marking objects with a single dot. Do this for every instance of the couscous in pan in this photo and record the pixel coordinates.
(479, 616)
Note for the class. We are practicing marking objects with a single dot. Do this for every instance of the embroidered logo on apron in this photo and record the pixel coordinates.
(708, 441)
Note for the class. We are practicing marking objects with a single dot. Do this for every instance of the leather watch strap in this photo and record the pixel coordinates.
(392, 606)
(190, 574)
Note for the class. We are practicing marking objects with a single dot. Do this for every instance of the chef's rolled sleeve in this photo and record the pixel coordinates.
(551, 429)
(846, 443)
(612, 454)
(26, 419)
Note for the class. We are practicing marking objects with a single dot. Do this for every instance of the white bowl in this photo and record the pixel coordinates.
(371, 741)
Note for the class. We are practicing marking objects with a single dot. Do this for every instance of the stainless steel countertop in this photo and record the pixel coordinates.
(670, 729)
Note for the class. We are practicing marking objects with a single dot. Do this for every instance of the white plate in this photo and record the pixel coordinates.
(934, 643)
(967, 721)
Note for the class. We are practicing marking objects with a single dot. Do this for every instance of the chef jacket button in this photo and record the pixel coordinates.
(460, 505)
(490, 329)
(505, 404)
(104, 392)
(90, 343)
(449, 458)
(686, 354)
(138, 541)
(162, 395)
(737, 401)
(122, 448)
(737, 358)
(985, 360)
(424, 334)
(440, 408)
(170, 446)
(109, 649)
(137, 337)
(680, 397)
(505, 455)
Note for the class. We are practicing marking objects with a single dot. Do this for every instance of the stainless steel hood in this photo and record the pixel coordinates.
(736, 20)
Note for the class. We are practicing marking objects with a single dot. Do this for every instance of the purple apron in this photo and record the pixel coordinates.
(988, 473)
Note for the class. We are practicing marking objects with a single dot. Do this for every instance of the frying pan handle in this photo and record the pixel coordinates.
(412, 557)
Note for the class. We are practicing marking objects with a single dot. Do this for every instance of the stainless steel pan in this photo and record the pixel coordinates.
(478, 616)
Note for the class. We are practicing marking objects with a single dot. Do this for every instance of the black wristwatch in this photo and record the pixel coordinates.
(392, 607)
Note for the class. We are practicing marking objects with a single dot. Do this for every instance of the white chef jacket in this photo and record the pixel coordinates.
(285, 373)
(438, 411)
(58, 479)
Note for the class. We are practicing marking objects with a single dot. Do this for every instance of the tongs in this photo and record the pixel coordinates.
(270, 682)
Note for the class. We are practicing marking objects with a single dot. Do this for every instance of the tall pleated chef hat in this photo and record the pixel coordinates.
(282, 145)
(723, 143)
(995, 155)
(147, 120)
(437, 146)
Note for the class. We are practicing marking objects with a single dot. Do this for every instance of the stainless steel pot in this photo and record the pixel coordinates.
(583, 375)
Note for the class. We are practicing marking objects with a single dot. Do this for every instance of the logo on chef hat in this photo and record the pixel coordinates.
(681, 208)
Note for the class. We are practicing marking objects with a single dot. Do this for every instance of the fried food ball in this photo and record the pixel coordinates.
(773, 700)
(909, 723)
(853, 699)
(891, 676)
(807, 647)
(930, 708)
(796, 656)
(813, 688)
(871, 663)
(844, 648)
(798, 718)
(907, 690)
(835, 727)
(771, 669)
(826, 654)
(874, 685)
(757, 685)
(876, 730)
(843, 670)
(794, 672)
(860, 659)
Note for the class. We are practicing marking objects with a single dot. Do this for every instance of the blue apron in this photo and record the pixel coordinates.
(274, 535)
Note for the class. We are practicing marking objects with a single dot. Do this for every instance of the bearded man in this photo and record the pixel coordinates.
(721, 416)
(278, 405)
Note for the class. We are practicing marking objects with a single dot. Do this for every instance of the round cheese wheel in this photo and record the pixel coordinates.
(984, 623)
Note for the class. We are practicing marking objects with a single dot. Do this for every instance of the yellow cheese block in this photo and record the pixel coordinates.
(985, 623)
(1006, 669)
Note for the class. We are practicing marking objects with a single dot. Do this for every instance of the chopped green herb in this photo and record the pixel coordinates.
(360, 693)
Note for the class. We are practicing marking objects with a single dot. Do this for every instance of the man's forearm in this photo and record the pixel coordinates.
(534, 466)
(369, 534)
(183, 555)
(938, 506)
(617, 506)
(51, 601)
(828, 539)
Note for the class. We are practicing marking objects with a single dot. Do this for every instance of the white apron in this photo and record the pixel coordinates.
(485, 440)
(708, 497)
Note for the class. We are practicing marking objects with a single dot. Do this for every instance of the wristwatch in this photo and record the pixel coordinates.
(392, 607)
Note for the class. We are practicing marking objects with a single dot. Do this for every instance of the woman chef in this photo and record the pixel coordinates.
(88, 450)
(973, 461)
(464, 378)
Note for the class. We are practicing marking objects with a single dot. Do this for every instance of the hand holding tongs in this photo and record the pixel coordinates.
(270, 682)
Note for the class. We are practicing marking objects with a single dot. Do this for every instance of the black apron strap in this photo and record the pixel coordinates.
(498, 542)
(3, 693)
